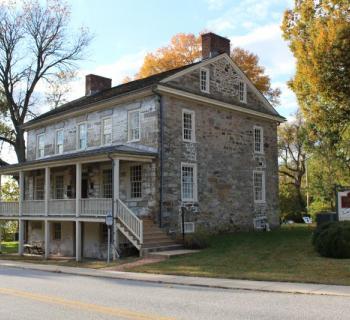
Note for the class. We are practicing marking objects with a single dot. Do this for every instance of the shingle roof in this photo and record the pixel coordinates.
(109, 93)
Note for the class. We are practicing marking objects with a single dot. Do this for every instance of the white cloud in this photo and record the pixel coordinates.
(215, 4)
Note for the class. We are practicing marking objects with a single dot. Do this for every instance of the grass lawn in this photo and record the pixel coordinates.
(281, 255)
(9, 247)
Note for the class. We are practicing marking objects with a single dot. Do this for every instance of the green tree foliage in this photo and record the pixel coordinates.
(318, 33)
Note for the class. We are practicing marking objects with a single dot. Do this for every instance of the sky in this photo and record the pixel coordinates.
(125, 30)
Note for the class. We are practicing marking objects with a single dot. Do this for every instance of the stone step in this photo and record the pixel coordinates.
(146, 250)
(157, 241)
(158, 236)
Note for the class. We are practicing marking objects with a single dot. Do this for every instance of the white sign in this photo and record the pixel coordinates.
(344, 205)
(109, 219)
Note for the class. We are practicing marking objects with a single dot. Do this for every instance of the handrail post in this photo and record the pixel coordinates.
(47, 190)
(141, 231)
(78, 189)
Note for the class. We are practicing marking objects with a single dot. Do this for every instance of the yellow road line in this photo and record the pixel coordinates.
(124, 313)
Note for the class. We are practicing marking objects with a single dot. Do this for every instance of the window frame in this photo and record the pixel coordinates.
(37, 145)
(55, 231)
(78, 135)
(193, 125)
(195, 182)
(261, 142)
(130, 138)
(105, 186)
(103, 142)
(207, 80)
(263, 187)
(130, 183)
(37, 190)
(244, 100)
(56, 145)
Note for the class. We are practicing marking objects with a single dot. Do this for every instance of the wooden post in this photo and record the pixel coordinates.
(78, 190)
(47, 238)
(115, 181)
(21, 192)
(47, 190)
(78, 249)
(20, 236)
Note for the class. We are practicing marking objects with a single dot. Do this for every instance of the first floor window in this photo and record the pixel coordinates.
(259, 186)
(136, 181)
(107, 131)
(134, 125)
(59, 141)
(188, 126)
(189, 182)
(242, 92)
(57, 231)
(59, 187)
(258, 140)
(204, 80)
(107, 183)
(82, 136)
(40, 145)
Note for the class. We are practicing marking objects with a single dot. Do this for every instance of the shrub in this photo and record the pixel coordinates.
(332, 239)
(197, 240)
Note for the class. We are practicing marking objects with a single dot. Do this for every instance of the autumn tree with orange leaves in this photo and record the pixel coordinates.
(186, 48)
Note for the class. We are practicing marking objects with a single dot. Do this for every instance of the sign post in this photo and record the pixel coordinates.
(109, 223)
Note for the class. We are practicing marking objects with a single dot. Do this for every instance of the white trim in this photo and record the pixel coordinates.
(244, 100)
(77, 148)
(195, 97)
(37, 145)
(57, 130)
(207, 79)
(195, 182)
(193, 125)
(129, 133)
(102, 131)
(261, 151)
(263, 190)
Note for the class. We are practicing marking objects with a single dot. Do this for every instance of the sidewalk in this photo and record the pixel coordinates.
(266, 286)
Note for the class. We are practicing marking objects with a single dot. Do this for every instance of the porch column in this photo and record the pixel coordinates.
(77, 189)
(0, 188)
(78, 241)
(21, 192)
(20, 236)
(47, 190)
(47, 238)
(116, 166)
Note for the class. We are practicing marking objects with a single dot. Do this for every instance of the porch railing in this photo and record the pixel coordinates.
(130, 220)
(62, 207)
(33, 207)
(95, 207)
(9, 208)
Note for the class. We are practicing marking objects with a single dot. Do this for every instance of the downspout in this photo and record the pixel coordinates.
(114, 218)
(161, 158)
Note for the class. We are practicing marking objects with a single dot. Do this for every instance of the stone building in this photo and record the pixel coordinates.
(200, 139)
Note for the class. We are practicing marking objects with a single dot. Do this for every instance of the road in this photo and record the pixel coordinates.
(27, 294)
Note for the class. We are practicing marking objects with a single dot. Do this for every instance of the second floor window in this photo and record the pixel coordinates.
(39, 188)
(82, 136)
(134, 125)
(204, 80)
(242, 92)
(136, 182)
(107, 183)
(40, 145)
(107, 131)
(59, 141)
(188, 126)
(258, 140)
(59, 187)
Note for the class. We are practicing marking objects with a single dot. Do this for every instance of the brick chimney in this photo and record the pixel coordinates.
(94, 84)
(213, 45)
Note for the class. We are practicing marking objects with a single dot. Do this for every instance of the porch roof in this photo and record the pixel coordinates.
(123, 152)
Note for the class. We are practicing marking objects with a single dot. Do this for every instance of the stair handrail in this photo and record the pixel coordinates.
(129, 219)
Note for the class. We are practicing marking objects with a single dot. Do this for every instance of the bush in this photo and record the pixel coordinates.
(197, 240)
(332, 239)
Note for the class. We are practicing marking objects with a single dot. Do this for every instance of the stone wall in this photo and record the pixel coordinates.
(148, 122)
(225, 160)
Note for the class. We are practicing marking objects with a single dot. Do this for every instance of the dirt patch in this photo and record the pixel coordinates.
(137, 263)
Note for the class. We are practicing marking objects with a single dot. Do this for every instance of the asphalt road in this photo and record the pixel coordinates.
(26, 294)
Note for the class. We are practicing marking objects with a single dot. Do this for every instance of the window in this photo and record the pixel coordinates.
(57, 231)
(82, 136)
(107, 183)
(188, 182)
(59, 141)
(136, 182)
(204, 80)
(39, 188)
(134, 125)
(40, 145)
(242, 92)
(106, 131)
(259, 186)
(59, 187)
(188, 126)
(258, 140)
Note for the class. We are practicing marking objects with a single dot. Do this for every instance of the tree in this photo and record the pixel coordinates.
(10, 190)
(318, 33)
(292, 142)
(186, 48)
(35, 45)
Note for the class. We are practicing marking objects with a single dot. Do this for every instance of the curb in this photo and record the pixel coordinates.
(214, 283)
